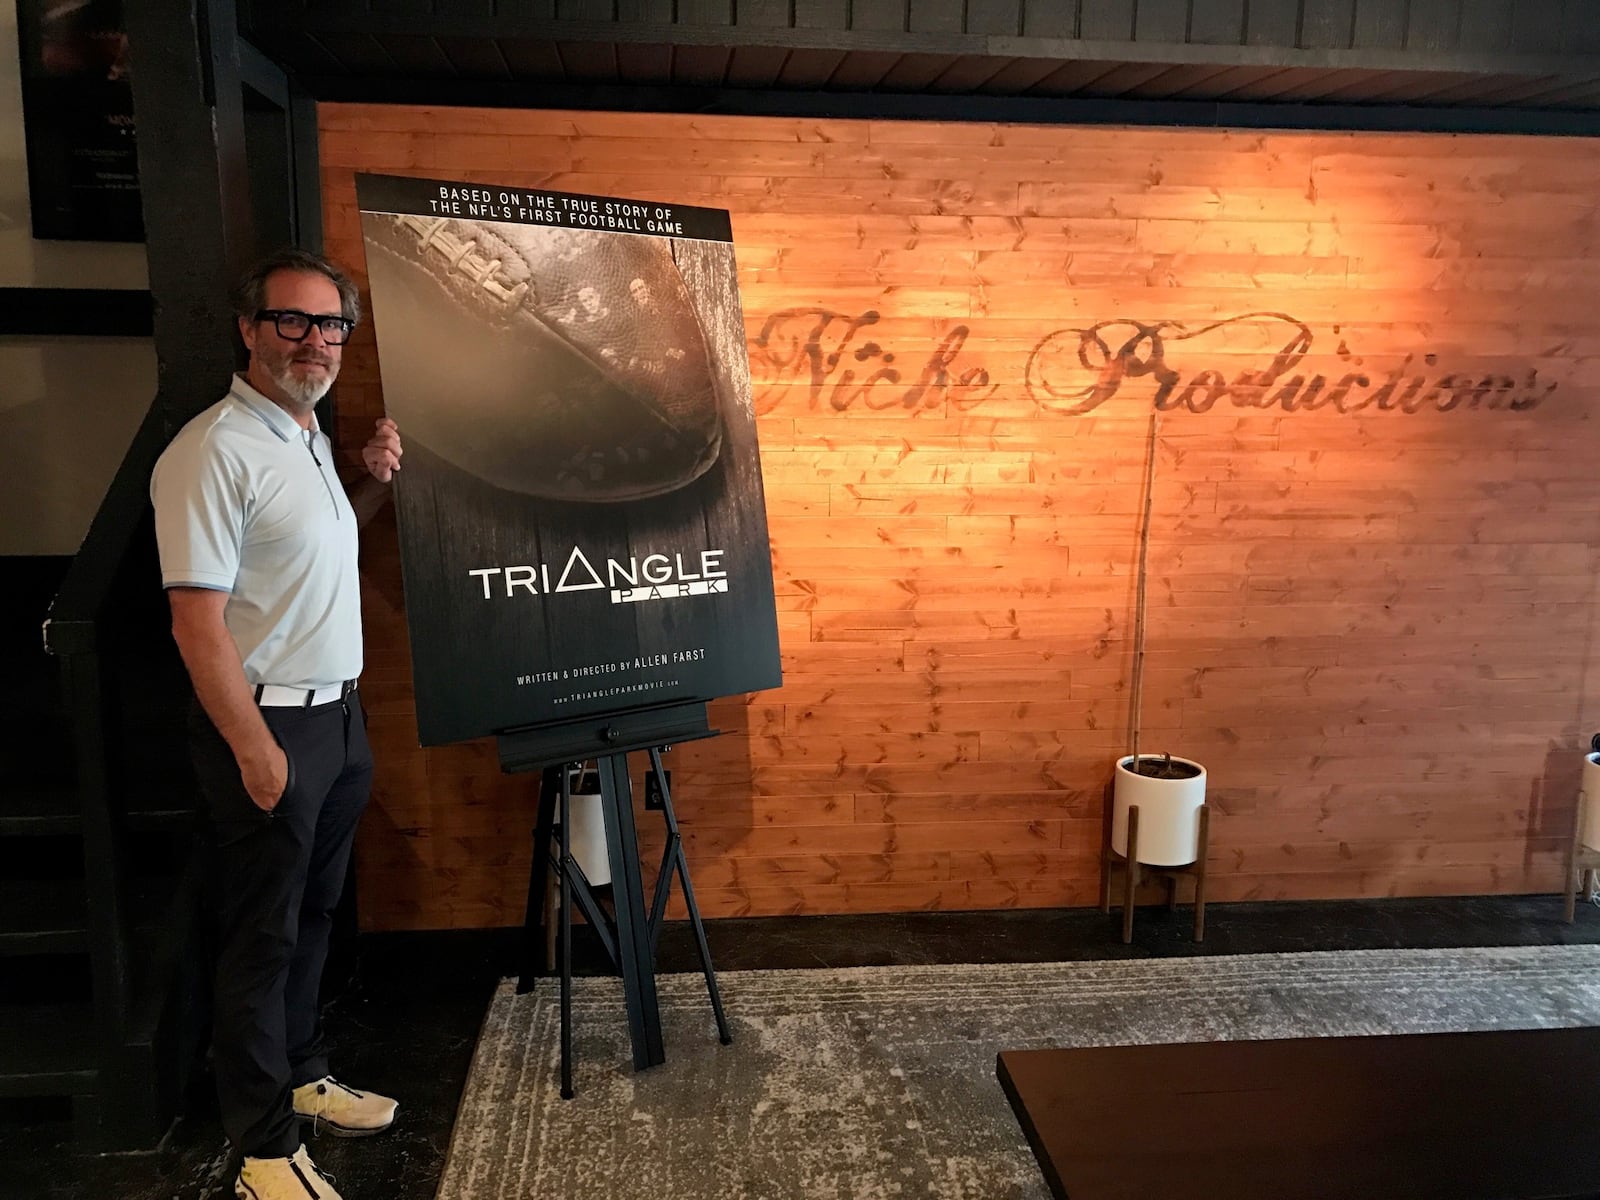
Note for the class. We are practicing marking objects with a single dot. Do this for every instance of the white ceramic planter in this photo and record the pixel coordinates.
(588, 832)
(1169, 814)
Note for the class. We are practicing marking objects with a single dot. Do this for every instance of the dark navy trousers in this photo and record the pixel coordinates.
(275, 879)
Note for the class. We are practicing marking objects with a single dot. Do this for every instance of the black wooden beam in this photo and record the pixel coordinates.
(188, 93)
(287, 32)
(261, 73)
(1391, 118)
(75, 312)
(305, 161)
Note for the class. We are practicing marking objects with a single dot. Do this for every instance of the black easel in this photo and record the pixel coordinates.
(630, 937)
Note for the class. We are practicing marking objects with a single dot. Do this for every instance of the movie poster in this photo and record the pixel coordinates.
(582, 525)
(77, 105)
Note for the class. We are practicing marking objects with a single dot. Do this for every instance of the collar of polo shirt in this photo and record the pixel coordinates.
(275, 419)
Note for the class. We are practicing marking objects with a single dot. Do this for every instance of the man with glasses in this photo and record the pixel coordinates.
(258, 556)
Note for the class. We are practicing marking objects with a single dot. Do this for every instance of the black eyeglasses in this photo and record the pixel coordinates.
(295, 326)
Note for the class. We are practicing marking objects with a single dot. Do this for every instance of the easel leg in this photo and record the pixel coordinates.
(566, 934)
(1200, 875)
(540, 881)
(634, 954)
(705, 953)
(551, 897)
(677, 861)
(1131, 884)
(550, 938)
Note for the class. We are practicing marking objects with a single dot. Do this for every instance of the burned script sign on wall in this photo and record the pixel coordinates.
(1074, 371)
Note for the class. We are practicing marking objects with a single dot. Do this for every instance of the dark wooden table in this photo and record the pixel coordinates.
(1497, 1116)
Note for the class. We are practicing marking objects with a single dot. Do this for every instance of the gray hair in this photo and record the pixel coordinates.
(249, 294)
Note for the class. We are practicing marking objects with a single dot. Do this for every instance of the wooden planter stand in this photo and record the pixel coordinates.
(1581, 859)
(1133, 871)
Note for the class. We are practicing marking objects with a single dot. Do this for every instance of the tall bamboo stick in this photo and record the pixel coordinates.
(1136, 701)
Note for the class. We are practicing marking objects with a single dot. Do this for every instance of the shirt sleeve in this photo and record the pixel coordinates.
(200, 502)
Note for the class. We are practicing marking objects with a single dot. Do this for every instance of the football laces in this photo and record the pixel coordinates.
(462, 254)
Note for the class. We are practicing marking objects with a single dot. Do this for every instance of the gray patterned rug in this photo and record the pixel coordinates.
(878, 1083)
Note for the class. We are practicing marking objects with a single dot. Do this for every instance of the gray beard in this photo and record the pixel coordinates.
(302, 393)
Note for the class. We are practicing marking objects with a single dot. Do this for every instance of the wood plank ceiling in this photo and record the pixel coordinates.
(1497, 54)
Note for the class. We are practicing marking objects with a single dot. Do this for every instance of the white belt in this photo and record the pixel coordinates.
(275, 695)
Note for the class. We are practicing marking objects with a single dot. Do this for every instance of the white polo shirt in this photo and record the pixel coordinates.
(248, 503)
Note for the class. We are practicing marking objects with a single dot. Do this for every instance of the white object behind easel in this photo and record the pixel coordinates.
(588, 827)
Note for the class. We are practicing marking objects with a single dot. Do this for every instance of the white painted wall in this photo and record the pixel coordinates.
(68, 406)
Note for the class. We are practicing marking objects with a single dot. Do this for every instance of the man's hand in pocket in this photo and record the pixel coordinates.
(266, 777)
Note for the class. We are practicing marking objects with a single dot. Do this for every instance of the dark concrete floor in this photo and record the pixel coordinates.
(404, 1011)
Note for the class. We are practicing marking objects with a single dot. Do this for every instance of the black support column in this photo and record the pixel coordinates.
(189, 109)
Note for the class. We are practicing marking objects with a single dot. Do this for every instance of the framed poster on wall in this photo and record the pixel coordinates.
(77, 111)
(582, 523)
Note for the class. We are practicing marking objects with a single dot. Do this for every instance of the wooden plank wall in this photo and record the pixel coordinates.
(1372, 598)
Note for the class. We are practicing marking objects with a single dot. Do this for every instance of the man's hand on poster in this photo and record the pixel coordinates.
(381, 457)
(382, 452)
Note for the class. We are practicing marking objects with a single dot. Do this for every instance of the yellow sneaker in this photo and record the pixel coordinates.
(292, 1178)
(343, 1111)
